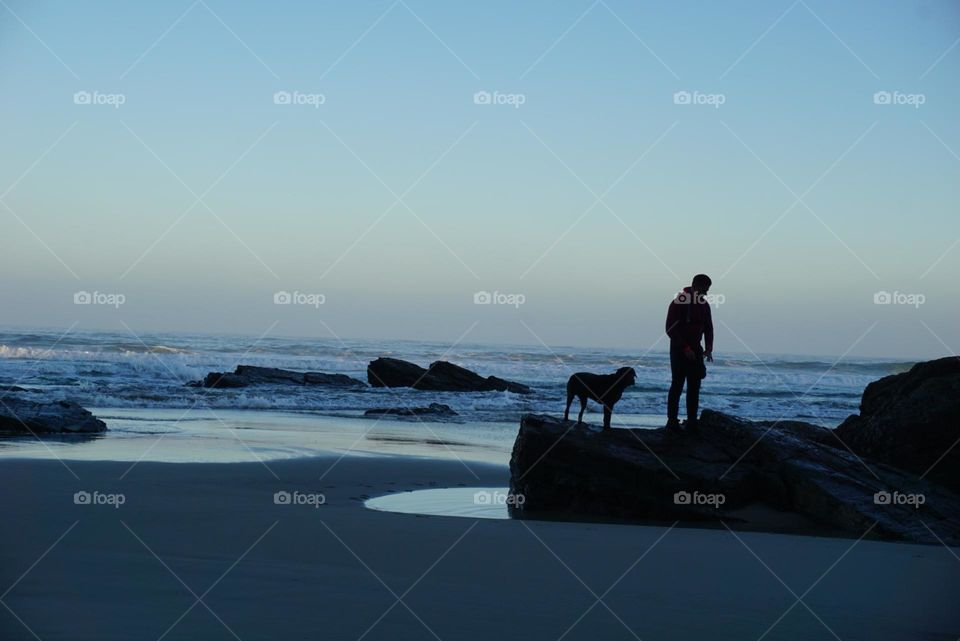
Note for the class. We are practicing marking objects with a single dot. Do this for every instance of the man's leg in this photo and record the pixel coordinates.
(678, 373)
(693, 394)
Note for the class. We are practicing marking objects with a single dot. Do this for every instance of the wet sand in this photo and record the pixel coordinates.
(201, 550)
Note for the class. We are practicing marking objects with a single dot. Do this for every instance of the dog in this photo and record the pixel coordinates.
(605, 389)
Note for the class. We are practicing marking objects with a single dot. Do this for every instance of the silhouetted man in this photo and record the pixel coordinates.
(688, 320)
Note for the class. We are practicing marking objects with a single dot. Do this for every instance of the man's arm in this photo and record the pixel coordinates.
(673, 325)
(708, 334)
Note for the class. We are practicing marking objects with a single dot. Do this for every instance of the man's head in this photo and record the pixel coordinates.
(701, 284)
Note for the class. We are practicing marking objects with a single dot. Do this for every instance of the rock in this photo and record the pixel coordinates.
(21, 415)
(246, 375)
(393, 372)
(564, 469)
(256, 375)
(912, 421)
(434, 409)
(222, 380)
(335, 380)
(441, 376)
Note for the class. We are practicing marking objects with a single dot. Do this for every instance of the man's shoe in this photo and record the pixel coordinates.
(673, 424)
(692, 425)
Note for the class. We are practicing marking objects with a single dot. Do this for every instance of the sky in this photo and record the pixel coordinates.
(194, 165)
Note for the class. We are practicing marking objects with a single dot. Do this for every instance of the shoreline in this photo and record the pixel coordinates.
(274, 571)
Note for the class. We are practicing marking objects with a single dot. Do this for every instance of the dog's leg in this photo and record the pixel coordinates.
(566, 412)
(607, 413)
(583, 406)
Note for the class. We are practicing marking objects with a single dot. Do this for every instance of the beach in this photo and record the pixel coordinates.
(202, 550)
(476, 321)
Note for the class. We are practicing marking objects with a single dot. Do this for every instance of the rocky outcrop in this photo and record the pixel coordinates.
(563, 469)
(912, 421)
(440, 376)
(25, 416)
(246, 375)
(434, 409)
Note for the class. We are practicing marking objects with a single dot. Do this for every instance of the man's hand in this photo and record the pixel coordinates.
(708, 356)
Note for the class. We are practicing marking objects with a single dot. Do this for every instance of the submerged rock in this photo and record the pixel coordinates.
(440, 376)
(561, 468)
(912, 421)
(246, 375)
(21, 415)
(434, 409)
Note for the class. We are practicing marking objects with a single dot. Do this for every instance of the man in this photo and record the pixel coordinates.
(688, 320)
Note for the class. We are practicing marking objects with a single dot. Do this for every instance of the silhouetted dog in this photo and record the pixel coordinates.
(605, 389)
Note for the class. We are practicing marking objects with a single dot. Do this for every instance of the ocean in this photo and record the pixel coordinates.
(138, 384)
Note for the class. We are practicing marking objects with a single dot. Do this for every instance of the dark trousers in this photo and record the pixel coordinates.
(683, 370)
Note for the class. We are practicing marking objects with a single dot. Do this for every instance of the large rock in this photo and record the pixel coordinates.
(22, 415)
(729, 468)
(441, 376)
(912, 421)
(246, 375)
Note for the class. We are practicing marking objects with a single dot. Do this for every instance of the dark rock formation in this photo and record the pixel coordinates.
(11, 388)
(441, 376)
(20, 415)
(912, 421)
(434, 409)
(563, 469)
(246, 375)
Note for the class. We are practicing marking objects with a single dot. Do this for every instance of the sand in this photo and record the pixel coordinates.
(201, 551)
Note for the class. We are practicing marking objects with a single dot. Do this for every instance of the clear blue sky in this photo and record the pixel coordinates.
(93, 197)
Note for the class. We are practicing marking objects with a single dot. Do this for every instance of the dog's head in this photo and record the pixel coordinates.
(626, 376)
